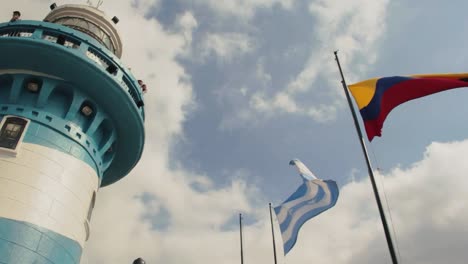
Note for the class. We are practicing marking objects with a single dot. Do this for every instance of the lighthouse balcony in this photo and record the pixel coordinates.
(75, 43)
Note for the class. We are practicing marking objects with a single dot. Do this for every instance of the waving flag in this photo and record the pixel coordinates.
(377, 97)
(313, 197)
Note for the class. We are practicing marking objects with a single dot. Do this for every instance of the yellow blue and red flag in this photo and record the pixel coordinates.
(377, 97)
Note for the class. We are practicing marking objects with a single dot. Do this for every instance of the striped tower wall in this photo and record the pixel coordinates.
(45, 196)
(48, 184)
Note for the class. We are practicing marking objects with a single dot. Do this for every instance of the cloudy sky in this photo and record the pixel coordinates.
(238, 88)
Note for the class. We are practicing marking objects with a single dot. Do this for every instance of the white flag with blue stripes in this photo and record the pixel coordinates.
(313, 197)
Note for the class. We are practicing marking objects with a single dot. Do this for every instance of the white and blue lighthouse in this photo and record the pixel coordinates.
(72, 121)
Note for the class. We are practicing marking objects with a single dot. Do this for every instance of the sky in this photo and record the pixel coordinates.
(238, 88)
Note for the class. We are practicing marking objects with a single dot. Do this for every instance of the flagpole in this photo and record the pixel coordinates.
(273, 235)
(241, 246)
(369, 166)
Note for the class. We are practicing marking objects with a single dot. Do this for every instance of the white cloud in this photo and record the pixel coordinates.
(121, 229)
(142, 6)
(243, 9)
(427, 199)
(243, 91)
(225, 46)
(428, 203)
(187, 23)
(354, 27)
(284, 102)
(262, 74)
(28, 9)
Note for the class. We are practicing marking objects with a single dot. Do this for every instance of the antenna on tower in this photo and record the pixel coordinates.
(100, 2)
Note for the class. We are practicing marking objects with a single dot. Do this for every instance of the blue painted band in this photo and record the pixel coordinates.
(22, 242)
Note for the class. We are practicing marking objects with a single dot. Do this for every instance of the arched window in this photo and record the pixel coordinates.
(11, 132)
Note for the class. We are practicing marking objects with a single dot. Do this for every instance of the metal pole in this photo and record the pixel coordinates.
(273, 235)
(369, 166)
(241, 246)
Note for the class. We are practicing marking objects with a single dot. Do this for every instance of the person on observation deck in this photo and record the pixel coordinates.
(142, 86)
(16, 16)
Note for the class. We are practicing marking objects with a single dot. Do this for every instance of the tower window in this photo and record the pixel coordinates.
(11, 132)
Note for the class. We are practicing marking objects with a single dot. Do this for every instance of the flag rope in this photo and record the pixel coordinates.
(382, 184)
(369, 166)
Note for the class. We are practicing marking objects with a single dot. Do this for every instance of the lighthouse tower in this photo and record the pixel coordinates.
(71, 122)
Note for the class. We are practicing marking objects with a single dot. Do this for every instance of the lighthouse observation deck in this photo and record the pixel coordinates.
(81, 45)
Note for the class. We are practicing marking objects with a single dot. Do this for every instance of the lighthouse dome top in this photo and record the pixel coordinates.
(89, 20)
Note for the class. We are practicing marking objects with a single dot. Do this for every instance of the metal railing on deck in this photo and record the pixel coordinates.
(78, 42)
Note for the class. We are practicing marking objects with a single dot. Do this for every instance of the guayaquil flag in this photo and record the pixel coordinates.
(313, 197)
(377, 97)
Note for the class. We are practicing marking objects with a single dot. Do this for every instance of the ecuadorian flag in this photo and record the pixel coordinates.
(377, 97)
